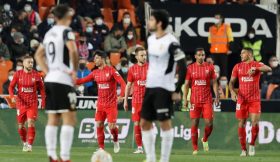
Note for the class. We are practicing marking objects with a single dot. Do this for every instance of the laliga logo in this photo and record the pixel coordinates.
(87, 129)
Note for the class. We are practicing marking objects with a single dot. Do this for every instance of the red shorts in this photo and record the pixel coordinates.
(24, 114)
(109, 113)
(244, 109)
(203, 110)
(136, 112)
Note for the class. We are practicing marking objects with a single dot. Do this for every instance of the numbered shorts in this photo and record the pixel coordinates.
(26, 113)
(109, 113)
(201, 110)
(60, 98)
(136, 111)
(244, 109)
(157, 105)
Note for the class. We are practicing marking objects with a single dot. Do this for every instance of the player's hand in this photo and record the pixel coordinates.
(217, 101)
(13, 99)
(120, 99)
(125, 105)
(185, 104)
(252, 71)
(233, 96)
(176, 96)
(74, 76)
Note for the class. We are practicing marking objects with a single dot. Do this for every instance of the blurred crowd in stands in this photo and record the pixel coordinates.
(116, 27)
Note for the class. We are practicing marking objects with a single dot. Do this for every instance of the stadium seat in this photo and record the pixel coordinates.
(5, 66)
(132, 15)
(115, 58)
(125, 4)
(207, 1)
(108, 17)
(108, 4)
(46, 3)
(43, 12)
(189, 1)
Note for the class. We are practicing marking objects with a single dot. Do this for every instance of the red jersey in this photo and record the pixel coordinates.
(249, 90)
(106, 80)
(200, 77)
(27, 84)
(138, 75)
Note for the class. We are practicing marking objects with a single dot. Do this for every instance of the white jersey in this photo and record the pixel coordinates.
(58, 59)
(159, 61)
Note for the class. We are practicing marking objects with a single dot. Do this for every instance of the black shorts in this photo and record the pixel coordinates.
(60, 98)
(157, 105)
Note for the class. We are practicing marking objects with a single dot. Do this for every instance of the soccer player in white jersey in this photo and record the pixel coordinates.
(164, 55)
(60, 52)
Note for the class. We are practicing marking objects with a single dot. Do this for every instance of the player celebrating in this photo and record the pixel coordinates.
(60, 52)
(137, 76)
(28, 82)
(199, 77)
(106, 78)
(164, 54)
(248, 73)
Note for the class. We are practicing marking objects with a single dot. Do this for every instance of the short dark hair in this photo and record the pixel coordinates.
(138, 49)
(61, 11)
(100, 53)
(27, 57)
(199, 49)
(161, 16)
(248, 50)
(117, 27)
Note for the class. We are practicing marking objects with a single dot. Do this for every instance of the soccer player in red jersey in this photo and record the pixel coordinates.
(137, 75)
(28, 82)
(199, 77)
(247, 100)
(106, 78)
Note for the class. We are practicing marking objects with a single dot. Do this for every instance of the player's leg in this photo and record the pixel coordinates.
(136, 111)
(148, 115)
(100, 117)
(255, 114)
(21, 119)
(208, 119)
(31, 118)
(167, 134)
(242, 115)
(112, 115)
(67, 134)
(51, 135)
(195, 113)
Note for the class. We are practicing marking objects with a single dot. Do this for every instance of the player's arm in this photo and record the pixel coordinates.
(120, 80)
(12, 87)
(233, 79)
(215, 86)
(178, 56)
(127, 92)
(69, 39)
(186, 93)
(259, 68)
(264, 68)
(42, 91)
(40, 58)
(88, 78)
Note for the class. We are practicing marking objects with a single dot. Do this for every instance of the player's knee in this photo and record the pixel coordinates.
(136, 123)
(20, 126)
(112, 125)
(241, 123)
(99, 124)
(145, 125)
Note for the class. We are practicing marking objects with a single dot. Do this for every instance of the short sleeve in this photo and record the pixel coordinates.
(235, 71)
(188, 75)
(213, 73)
(259, 64)
(68, 35)
(130, 75)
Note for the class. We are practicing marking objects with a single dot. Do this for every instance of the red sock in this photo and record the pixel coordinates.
(207, 132)
(31, 135)
(242, 137)
(138, 135)
(100, 137)
(115, 133)
(22, 134)
(194, 134)
(255, 132)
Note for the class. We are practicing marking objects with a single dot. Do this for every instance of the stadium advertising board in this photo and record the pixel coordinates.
(224, 134)
(190, 23)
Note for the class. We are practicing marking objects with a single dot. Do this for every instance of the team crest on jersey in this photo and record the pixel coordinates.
(107, 74)
(33, 79)
(207, 71)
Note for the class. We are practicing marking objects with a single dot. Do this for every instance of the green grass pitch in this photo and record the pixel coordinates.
(83, 154)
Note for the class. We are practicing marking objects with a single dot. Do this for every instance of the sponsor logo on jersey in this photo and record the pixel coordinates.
(200, 82)
(104, 86)
(247, 79)
(27, 90)
(141, 82)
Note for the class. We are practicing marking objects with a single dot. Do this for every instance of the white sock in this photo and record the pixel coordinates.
(166, 145)
(51, 140)
(149, 145)
(66, 140)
